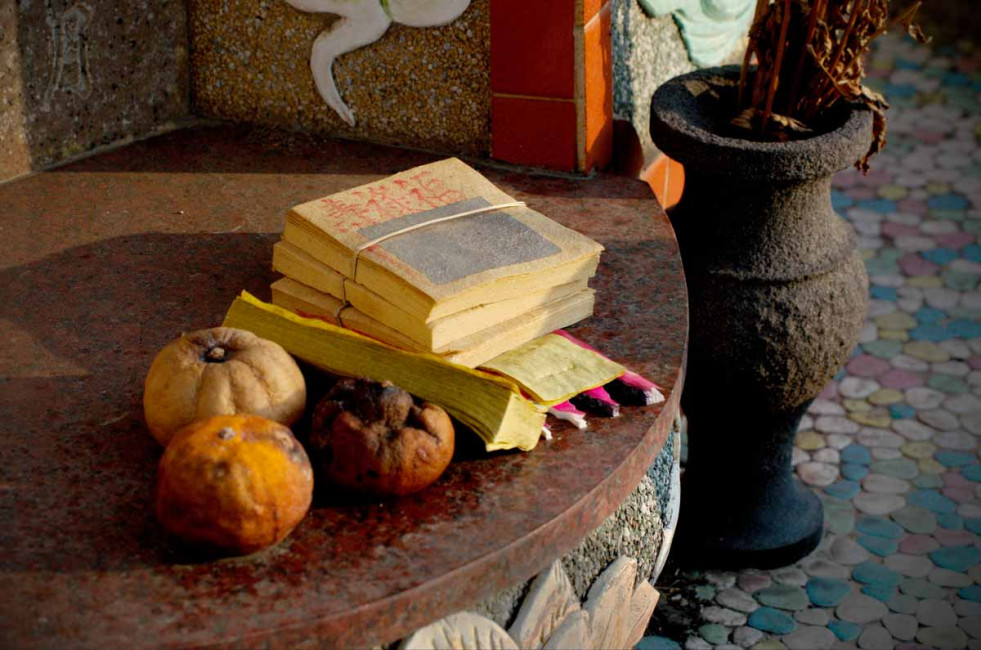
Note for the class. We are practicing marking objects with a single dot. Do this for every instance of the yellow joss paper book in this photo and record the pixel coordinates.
(553, 369)
(470, 350)
(489, 404)
(442, 268)
(294, 262)
(435, 336)
(307, 301)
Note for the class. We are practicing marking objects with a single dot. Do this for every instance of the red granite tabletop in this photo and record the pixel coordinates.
(104, 261)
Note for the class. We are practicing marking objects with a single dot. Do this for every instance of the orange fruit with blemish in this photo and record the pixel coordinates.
(233, 483)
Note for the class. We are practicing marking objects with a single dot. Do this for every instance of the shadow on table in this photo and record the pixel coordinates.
(83, 325)
(77, 463)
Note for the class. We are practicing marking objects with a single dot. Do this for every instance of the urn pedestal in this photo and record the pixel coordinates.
(777, 295)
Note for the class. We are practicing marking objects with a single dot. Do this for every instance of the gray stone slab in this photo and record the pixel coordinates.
(78, 75)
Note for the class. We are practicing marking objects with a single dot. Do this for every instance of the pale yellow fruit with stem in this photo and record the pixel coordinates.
(221, 371)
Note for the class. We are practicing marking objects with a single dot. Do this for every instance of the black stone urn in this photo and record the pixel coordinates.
(777, 295)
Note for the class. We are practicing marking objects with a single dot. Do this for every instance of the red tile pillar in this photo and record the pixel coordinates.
(552, 83)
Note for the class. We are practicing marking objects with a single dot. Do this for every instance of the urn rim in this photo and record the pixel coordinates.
(687, 115)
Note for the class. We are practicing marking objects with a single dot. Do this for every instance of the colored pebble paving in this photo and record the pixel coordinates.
(892, 443)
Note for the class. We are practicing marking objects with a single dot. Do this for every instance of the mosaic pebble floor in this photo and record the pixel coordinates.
(891, 446)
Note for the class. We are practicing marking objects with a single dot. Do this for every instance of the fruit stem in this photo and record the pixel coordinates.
(215, 354)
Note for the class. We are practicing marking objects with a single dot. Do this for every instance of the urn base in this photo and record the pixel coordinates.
(785, 528)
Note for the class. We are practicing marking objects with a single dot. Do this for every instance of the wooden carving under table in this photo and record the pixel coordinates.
(104, 261)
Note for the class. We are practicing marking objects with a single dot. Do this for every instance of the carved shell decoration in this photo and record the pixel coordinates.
(363, 22)
(614, 616)
(711, 29)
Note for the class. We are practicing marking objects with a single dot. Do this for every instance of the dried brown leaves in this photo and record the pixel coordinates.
(751, 119)
(809, 56)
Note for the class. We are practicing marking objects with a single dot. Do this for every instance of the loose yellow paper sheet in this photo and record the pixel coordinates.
(553, 369)
(487, 403)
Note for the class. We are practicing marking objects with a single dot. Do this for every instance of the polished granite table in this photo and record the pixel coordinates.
(104, 261)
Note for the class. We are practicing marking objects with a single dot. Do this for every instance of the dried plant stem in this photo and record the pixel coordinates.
(824, 91)
(818, 9)
(754, 29)
(823, 42)
(778, 60)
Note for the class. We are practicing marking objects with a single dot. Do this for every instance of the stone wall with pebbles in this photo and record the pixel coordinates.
(639, 41)
(892, 444)
(423, 87)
